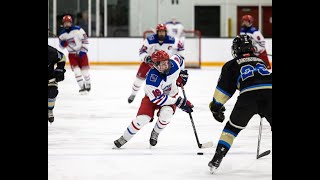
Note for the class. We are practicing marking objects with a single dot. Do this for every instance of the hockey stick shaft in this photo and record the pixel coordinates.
(259, 141)
(194, 127)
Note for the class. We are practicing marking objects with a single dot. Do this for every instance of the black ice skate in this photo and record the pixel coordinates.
(131, 98)
(88, 87)
(50, 116)
(154, 138)
(120, 142)
(215, 162)
(83, 90)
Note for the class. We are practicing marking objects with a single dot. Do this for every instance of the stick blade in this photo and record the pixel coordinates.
(206, 145)
(263, 154)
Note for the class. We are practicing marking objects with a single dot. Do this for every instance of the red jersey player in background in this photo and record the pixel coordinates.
(75, 39)
(158, 41)
(257, 38)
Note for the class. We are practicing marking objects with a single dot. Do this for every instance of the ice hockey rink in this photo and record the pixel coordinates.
(80, 140)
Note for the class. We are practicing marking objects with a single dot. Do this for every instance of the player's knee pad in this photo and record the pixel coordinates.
(166, 112)
(52, 92)
(141, 120)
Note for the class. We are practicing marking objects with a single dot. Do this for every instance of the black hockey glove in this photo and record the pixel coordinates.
(183, 78)
(148, 60)
(59, 74)
(184, 105)
(217, 110)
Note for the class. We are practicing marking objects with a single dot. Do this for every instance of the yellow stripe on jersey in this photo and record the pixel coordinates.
(63, 59)
(220, 96)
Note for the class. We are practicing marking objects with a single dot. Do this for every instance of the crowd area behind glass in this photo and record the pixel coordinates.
(117, 16)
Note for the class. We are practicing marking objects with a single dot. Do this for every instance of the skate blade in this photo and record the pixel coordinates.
(115, 147)
(213, 170)
(84, 93)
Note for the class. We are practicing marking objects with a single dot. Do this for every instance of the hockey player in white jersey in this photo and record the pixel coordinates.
(75, 39)
(154, 42)
(176, 29)
(161, 89)
(258, 41)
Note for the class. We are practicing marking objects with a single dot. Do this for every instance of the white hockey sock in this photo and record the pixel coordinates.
(78, 76)
(166, 113)
(86, 75)
(136, 85)
(135, 126)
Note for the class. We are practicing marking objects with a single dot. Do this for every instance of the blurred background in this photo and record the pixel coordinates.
(204, 22)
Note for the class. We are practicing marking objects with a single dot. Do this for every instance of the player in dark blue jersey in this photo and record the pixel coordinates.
(248, 74)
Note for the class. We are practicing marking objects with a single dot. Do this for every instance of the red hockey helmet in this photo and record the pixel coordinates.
(160, 56)
(67, 18)
(161, 27)
(248, 18)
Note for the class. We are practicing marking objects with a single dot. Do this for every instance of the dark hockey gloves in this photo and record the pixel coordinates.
(59, 74)
(184, 105)
(217, 110)
(148, 60)
(183, 78)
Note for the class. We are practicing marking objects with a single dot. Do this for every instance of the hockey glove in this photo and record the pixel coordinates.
(64, 43)
(184, 105)
(81, 53)
(59, 74)
(217, 110)
(183, 78)
(148, 60)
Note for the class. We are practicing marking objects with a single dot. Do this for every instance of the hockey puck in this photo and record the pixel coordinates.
(200, 153)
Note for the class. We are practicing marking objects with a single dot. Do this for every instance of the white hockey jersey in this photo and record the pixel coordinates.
(175, 29)
(258, 41)
(77, 39)
(162, 89)
(151, 44)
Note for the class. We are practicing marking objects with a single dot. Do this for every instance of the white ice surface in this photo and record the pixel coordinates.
(80, 140)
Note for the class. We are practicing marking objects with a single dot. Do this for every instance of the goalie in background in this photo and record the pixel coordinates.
(248, 74)
(56, 64)
(161, 89)
(176, 29)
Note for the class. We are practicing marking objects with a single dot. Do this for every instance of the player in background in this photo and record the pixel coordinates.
(158, 41)
(248, 74)
(56, 64)
(257, 38)
(75, 39)
(176, 29)
(160, 94)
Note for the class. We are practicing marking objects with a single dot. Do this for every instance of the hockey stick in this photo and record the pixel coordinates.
(259, 140)
(201, 146)
(269, 54)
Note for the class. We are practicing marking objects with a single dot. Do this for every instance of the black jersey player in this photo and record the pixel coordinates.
(248, 74)
(56, 64)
